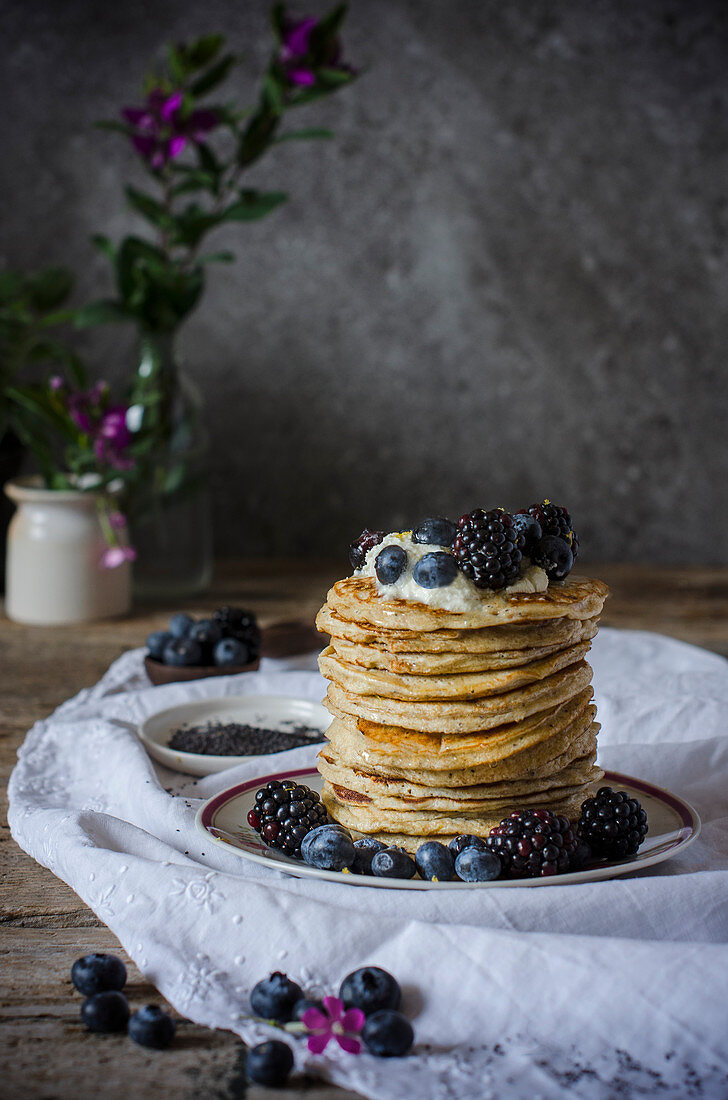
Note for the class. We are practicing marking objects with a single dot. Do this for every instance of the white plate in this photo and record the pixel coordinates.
(278, 712)
(673, 825)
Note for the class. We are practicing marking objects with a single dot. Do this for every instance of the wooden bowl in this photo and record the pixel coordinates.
(169, 674)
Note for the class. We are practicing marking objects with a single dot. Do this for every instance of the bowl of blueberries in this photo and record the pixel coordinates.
(189, 649)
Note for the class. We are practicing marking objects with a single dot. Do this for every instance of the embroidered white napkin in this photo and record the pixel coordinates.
(611, 988)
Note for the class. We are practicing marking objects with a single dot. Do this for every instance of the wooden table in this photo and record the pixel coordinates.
(45, 1052)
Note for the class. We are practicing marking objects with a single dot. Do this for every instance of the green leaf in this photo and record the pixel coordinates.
(147, 206)
(116, 127)
(253, 205)
(272, 93)
(330, 25)
(176, 62)
(213, 76)
(103, 312)
(11, 286)
(278, 19)
(335, 78)
(195, 181)
(49, 288)
(203, 50)
(208, 160)
(304, 135)
(217, 258)
(104, 245)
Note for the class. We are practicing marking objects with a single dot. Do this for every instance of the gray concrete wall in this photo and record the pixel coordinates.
(506, 279)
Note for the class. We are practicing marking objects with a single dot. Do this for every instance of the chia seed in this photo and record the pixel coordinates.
(240, 739)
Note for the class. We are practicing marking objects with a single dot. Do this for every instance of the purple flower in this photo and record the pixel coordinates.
(114, 556)
(300, 59)
(333, 1023)
(161, 128)
(55, 383)
(112, 439)
(79, 411)
(117, 520)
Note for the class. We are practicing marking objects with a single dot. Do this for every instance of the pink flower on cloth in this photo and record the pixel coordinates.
(333, 1023)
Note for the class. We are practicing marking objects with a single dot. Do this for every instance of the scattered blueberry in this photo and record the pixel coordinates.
(393, 863)
(230, 651)
(152, 1027)
(180, 624)
(465, 840)
(435, 862)
(107, 1011)
(328, 847)
(96, 973)
(370, 988)
(435, 570)
(554, 555)
(364, 852)
(435, 531)
(182, 653)
(303, 1005)
(156, 642)
(388, 1034)
(273, 998)
(269, 1063)
(390, 563)
(477, 865)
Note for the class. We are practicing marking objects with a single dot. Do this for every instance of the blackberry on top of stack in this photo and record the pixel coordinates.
(459, 687)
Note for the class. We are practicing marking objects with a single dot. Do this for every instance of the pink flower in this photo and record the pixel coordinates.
(333, 1023)
(117, 520)
(161, 130)
(113, 438)
(56, 383)
(114, 556)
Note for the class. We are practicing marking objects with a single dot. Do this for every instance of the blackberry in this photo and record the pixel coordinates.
(554, 520)
(360, 547)
(284, 812)
(533, 843)
(612, 824)
(488, 548)
(236, 622)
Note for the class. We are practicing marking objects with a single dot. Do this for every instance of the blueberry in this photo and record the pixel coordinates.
(107, 1011)
(435, 570)
(156, 641)
(273, 998)
(180, 624)
(465, 840)
(370, 988)
(393, 863)
(477, 865)
(529, 527)
(388, 1034)
(301, 1006)
(230, 651)
(435, 531)
(96, 973)
(152, 1027)
(207, 633)
(554, 555)
(389, 564)
(365, 850)
(435, 862)
(182, 653)
(269, 1063)
(328, 847)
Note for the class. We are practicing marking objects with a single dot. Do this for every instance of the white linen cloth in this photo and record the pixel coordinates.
(611, 988)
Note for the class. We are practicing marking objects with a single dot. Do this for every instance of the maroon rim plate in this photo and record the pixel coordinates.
(674, 825)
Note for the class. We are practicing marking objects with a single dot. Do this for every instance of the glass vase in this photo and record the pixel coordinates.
(170, 512)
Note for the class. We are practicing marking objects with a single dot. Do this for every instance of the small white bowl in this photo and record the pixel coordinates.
(278, 712)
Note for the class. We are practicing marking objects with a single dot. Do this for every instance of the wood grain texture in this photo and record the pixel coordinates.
(44, 1050)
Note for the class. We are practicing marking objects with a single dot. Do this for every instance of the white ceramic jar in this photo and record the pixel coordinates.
(53, 571)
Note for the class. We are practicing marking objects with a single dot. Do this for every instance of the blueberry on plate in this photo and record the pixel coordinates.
(107, 1011)
(230, 652)
(207, 632)
(435, 862)
(328, 847)
(370, 988)
(182, 653)
(269, 1063)
(436, 570)
(554, 555)
(528, 526)
(389, 564)
(152, 1027)
(388, 1034)
(465, 840)
(365, 850)
(478, 865)
(393, 863)
(156, 642)
(273, 998)
(435, 531)
(180, 624)
(97, 973)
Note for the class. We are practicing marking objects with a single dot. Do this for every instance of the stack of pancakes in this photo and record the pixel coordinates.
(445, 721)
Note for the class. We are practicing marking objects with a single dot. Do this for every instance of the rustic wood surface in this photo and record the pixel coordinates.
(44, 1050)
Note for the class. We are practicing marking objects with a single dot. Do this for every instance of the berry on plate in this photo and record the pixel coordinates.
(478, 865)
(370, 988)
(285, 812)
(435, 862)
(488, 548)
(329, 848)
(533, 843)
(182, 653)
(97, 973)
(612, 824)
(152, 1027)
(389, 564)
(393, 863)
(435, 570)
(364, 851)
(465, 840)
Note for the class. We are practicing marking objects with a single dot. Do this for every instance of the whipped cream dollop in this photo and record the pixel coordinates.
(460, 595)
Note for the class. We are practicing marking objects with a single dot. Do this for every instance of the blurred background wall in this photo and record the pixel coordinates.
(505, 279)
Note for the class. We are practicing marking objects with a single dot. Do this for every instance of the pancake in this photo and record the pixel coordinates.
(356, 598)
(453, 686)
(464, 717)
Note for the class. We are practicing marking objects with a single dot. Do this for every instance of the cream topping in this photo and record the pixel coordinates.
(460, 595)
